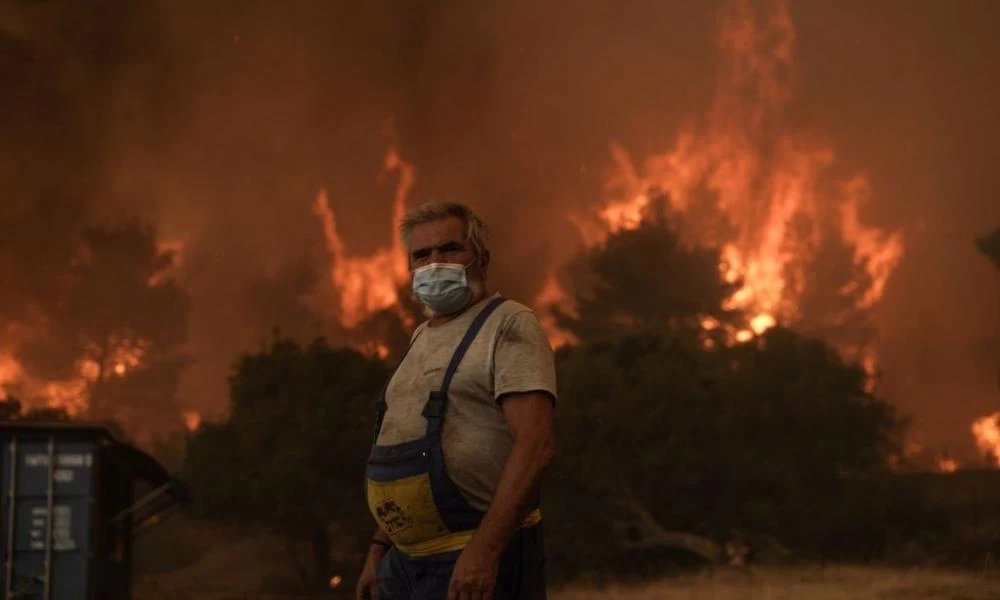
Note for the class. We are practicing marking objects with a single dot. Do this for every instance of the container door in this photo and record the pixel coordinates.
(47, 515)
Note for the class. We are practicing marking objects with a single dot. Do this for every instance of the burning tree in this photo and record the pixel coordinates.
(732, 420)
(646, 279)
(67, 332)
(110, 348)
(680, 432)
(788, 233)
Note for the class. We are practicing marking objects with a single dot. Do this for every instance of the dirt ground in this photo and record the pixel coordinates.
(808, 583)
(800, 583)
(194, 561)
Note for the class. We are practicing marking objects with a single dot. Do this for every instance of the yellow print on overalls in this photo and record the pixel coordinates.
(392, 517)
(406, 510)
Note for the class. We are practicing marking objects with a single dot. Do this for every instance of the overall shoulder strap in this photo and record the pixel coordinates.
(435, 406)
(470, 336)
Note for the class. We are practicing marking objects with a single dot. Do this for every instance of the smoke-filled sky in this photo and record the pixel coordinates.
(220, 122)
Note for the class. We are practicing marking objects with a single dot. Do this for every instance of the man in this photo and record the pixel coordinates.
(464, 431)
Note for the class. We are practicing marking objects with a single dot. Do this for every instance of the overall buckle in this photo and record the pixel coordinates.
(435, 405)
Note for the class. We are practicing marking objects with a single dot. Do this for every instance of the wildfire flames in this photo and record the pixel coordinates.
(761, 192)
(10, 372)
(986, 430)
(367, 284)
(553, 295)
(744, 181)
(71, 394)
(192, 420)
(104, 358)
(746, 186)
(947, 465)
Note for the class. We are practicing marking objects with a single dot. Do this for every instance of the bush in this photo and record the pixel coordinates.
(776, 438)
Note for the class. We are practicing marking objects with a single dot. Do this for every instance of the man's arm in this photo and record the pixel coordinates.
(367, 588)
(530, 418)
(381, 536)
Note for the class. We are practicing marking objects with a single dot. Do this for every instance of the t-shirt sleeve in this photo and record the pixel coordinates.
(523, 360)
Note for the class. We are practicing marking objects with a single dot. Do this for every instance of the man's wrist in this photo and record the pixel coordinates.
(380, 543)
(484, 546)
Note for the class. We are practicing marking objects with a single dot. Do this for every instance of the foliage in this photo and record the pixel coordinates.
(989, 245)
(11, 409)
(294, 446)
(777, 437)
(645, 279)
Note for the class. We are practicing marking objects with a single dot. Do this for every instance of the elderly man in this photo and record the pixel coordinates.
(464, 431)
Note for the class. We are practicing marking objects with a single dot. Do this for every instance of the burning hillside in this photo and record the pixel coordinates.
(747, 184)
(263, 162)
(743, 183)
(107, 346)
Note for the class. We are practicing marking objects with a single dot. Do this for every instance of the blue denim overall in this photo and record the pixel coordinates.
(415, 502)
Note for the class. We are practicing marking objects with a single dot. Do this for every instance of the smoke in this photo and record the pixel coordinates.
(219, 122)
(269, 104)
(58, 67)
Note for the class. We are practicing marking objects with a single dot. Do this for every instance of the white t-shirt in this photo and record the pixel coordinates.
(511, 354)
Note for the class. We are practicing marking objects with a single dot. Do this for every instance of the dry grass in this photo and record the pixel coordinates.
(807, 583)
(235, 566)
(800, 583)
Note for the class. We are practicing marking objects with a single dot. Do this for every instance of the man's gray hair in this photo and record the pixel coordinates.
(475, 228)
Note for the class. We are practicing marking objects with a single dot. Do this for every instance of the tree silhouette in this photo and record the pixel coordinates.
(989, 245)
(645, 279)
(11, 409)
(291, 456)
(663, 435)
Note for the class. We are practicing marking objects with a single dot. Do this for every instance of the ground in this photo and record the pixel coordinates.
(799, 583)
(188, 560)
(811, 583)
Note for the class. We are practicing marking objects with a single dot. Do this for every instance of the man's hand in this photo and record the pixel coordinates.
(475, 574)
(367, 586)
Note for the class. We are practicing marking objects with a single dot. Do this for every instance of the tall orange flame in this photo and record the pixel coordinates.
(748, 185)
(552, 296)
(367, 284)
(986, 431)
(10, 372)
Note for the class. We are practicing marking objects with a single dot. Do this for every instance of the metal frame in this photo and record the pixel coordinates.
(50, 502)
(150, 497)
(11, 506)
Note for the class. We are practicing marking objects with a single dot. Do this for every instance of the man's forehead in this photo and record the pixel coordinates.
(438, 232)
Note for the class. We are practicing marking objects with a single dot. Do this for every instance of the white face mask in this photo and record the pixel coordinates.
(442, 287)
